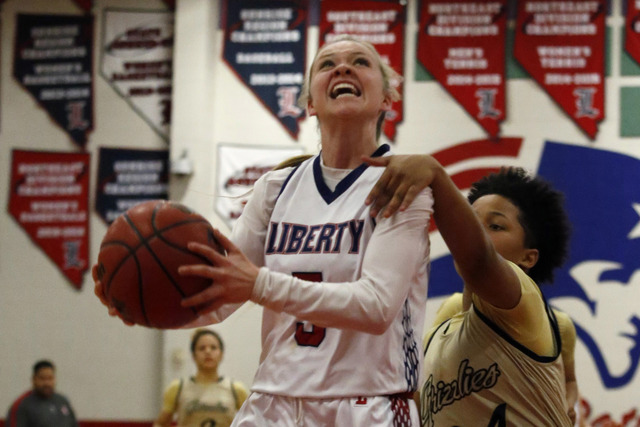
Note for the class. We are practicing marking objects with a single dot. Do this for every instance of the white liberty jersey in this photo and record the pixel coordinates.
(358, 332)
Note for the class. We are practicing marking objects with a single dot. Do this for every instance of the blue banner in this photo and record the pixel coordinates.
(265, 45)
(128, 177)
(53, 60)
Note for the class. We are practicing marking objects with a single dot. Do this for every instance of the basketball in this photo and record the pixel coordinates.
(139, 259)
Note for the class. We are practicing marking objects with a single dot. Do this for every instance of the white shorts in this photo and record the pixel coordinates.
(283, 411)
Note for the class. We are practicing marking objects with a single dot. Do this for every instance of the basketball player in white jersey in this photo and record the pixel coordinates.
(343, 292)
(497, 362)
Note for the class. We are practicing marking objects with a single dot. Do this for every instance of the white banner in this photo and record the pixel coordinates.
(136, 60)
(239, 166)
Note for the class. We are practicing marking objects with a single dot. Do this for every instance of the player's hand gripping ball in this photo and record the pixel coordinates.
(139, 259)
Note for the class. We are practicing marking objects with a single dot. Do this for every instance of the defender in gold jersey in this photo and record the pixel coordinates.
(498, 361)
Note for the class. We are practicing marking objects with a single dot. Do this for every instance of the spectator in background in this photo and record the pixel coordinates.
(206, 399)
(42, 406)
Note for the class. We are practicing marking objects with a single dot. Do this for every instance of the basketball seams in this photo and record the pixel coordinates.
(143, 308)
(145, 242)
(132, 253)
(137, 279)
(158, 233)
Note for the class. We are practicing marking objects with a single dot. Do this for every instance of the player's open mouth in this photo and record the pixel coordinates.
(344, 89)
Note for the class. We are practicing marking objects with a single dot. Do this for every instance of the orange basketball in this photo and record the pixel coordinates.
(139, 259)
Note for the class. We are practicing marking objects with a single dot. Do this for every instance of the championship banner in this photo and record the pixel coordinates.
(136, 61)
(562, 45)
(462, 44)
(53, 61)
(632, 30)
(49, 198)
(265, 45)
(382, 24)
(128, 177)
(239, 166)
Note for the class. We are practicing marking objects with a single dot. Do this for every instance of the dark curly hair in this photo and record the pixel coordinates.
(542, 215)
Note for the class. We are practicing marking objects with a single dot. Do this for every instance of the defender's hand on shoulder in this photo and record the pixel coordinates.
(405, 176)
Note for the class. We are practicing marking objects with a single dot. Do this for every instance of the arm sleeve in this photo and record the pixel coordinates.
(72, 413)
(528, 322)
(249, 233)
(568, 339)
(21, 419)
(449, 308)
(17, 416)
(397, 252)
(240, 392)
(170, 397)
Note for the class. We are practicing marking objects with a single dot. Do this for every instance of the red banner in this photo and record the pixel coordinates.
(49, 198)
(561, 44)
(632, 30)
(379, 22)
(85, 4)
(461, 43)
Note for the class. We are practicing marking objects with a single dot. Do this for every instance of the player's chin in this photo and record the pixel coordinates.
(46, 391)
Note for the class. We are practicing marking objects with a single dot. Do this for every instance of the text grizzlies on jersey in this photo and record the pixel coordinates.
(289, 239)
(434, 397)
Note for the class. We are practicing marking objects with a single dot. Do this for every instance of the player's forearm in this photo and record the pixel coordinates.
(480, 266)
(337, 305)
(572, 399)
(457, 222)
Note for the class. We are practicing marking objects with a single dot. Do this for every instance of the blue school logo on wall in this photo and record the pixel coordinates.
(599, 285)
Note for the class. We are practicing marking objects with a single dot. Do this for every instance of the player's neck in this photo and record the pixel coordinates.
(347, 155)
(207, 376)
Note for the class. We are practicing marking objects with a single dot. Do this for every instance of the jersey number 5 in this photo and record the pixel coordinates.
(314, 336)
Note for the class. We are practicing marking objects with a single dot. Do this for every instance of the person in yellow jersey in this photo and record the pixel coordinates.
(500, 359)
(454, 305)
(206, 399)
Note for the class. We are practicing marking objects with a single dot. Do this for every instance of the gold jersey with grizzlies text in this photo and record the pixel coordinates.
(478, 375)
(204, 404)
